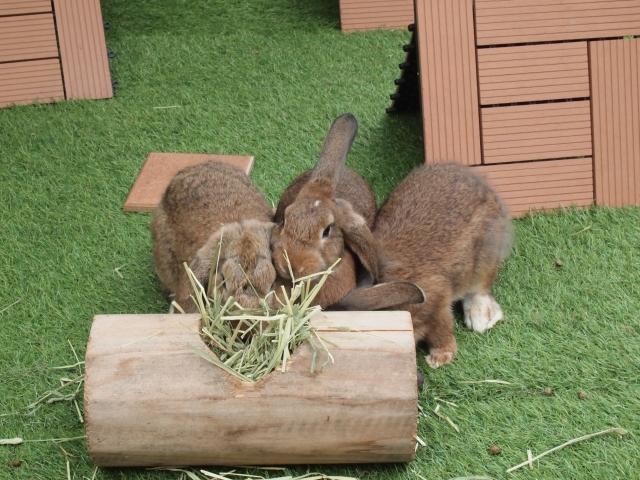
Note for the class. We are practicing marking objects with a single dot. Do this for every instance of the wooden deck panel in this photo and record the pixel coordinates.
(27, 37)
(538, 185)
(24, 82)
(24, 7)
(449, 81)
(85, 66)
(536, 132)
(615, 76)
(501, 22)
(368, 15)
(533, 73)
(159, 169)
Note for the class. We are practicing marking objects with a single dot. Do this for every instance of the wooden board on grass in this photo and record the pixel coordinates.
(160, 168)
(151, 401)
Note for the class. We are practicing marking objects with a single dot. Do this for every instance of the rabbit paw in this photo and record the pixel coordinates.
(439, 356)
(481, 311)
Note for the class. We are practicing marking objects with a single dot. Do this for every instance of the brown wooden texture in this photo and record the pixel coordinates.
(85, 66)
(27, 37)
(155, 402)
(615, 80)
(500, 22)
(533, 73)
(25, 82)
(158, 170)
(22, 7)
(368, 15)
(449, 81)
(538, 185)
(536, 132)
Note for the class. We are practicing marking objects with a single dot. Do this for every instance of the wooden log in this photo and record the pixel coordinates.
(154, 402)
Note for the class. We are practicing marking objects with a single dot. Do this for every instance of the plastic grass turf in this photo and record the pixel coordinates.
(266, 78)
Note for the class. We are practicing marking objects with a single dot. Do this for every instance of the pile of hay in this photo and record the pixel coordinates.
(251, 343)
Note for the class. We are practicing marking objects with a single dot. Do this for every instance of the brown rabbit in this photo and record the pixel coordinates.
(330, 218)
(201, 205)
(446, 230)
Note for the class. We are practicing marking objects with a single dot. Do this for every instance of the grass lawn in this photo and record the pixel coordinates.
(266, 78)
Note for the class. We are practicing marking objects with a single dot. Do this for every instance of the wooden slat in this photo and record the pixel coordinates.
(536, 132)
(533, 73)
(537, 185)
(448, 81)
(22, 7)
(24, 82)
(363, 15)
(27, 37)
(500, 22)
(149, 400)
(85, 66)
(615, 77)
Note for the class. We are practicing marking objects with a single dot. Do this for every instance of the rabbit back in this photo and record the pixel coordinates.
(197, 202)
(351, 187)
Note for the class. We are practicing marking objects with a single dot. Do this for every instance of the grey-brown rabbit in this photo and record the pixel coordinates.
(201, 205)
(446, 230)
(326, 214)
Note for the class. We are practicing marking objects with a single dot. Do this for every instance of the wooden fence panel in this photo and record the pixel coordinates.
(536, 132)
(615, 77)
(368, 15)
(501, 22)
(85, 66)
(449, 81)
(24, 82)
(538, 185)
(27, 37)
(533, 73)
(24, 7)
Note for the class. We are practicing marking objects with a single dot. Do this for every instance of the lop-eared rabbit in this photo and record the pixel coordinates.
(326, 214)
(202, 205)
(446, 230)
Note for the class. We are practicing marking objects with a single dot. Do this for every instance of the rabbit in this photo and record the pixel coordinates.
(325, 215)
(202, 205)
(446, 230)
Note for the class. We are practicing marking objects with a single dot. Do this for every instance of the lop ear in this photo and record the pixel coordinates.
(358, 237)
(384, 295)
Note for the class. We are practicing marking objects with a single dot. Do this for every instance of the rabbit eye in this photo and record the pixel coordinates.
(327, 232)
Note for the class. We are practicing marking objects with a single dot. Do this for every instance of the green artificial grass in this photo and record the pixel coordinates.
(266, 78)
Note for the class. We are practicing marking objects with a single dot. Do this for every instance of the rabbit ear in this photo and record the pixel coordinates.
(334, 152)
(383, 295)
(358, 237)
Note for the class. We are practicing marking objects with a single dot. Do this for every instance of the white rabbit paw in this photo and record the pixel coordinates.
(481, 311)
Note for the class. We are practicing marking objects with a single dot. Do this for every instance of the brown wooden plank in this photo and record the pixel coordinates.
(615, 77)
(23, 7)
(364, 15)
(523, 21)
(25, 82)
(154, 402)
(83, 50)
(536, 132)
(448, 80)
(158, 170)
(546, 184)
(27, 37)
(533, 73)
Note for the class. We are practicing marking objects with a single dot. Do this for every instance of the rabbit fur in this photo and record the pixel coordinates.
(202, 205)
(446, 230)
(327, 214)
